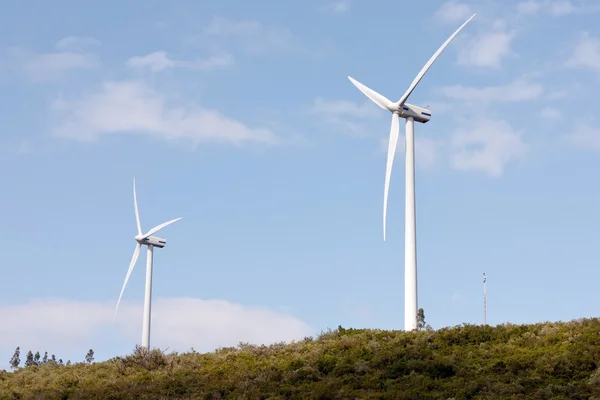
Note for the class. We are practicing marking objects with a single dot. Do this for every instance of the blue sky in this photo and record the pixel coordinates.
(240, 118)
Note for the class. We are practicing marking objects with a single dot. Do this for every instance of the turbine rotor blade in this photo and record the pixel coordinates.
(394, 132)
(430, 63)
(137, 214)
(158, 228)
(136, 254)
(375, 97)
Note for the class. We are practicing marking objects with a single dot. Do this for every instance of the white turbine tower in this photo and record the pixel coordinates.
(151, 241)
(411, 113)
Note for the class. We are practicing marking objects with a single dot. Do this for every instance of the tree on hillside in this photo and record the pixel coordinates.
(29, 359)
(53, 358)
(45, 359)
(89, 357)
(16, 360)
(36, 358)
(420, 319)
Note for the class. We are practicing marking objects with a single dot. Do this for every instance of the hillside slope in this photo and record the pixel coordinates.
(542, 361)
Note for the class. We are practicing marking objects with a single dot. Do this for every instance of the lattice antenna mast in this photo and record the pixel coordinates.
(484, 301)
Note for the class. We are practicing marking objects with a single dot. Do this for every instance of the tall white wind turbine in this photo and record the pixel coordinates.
(150, 241)
(411, 113)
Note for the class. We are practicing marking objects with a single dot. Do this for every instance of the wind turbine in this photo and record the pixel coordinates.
(411, 113)
(151, 241)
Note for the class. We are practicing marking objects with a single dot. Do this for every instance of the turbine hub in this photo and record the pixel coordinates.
(393, 107)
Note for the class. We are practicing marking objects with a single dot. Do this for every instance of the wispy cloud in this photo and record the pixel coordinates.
(77, 42)
(486, 145)
(177, 323)
(428, 151)
(488, 49)
(550, 113)
(160, 60)
(516, 91)
(133, 107)
(528, 7)
(453, 11)
(344, 115)
(252, 35)
(555, 8)
(345, 108)
(562, 7)
(51, 65)
(492, 40)
(585, 137)
(339, 7)
(44, 66)
(586, 53)
(354, 118)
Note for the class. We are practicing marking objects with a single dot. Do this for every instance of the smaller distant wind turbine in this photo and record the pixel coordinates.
(151, 241)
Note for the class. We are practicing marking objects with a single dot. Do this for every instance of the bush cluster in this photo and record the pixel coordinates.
(540, 361)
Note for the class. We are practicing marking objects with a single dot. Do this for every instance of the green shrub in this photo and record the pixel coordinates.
(540, 361)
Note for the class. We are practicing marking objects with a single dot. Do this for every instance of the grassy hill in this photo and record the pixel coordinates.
(541, 361)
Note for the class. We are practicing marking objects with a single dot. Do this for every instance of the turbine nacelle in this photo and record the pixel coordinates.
(151, 241)
(419, 114)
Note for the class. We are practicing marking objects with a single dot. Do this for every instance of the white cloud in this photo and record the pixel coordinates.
(25, 147)
(528, 7)
(76, 42)
(46, 66)
(177, 323)
(252, 34)
(132, 107)
(351, 117)
(346, 116)
(51, 65)
(438, 107)
(585, 137)
(550, 113)
(518, 90)
(562, 7)
(345, 108)
(586, 53)
(156, 61)
(159, 60)
(338, 7)
(453, 11)
(555, 8)
(487, 49)
(427, 150)
(486, 145)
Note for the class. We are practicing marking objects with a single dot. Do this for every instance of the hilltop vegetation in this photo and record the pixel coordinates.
(541, 361)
